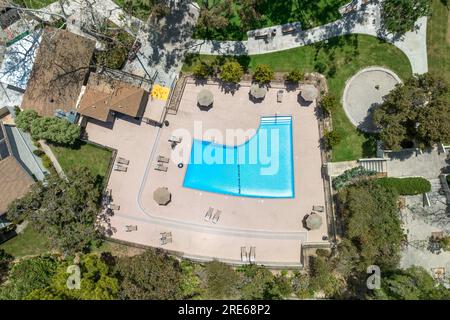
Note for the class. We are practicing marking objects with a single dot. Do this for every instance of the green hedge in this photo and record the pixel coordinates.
(351, 175)
(406, 186)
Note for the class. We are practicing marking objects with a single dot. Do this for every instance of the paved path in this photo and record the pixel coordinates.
(366, 20)
(48, 151)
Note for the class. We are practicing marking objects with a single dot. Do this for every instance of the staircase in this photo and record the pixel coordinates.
(374, 164)
(175, 95)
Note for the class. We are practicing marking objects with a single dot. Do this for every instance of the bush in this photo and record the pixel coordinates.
(295, 76)
(47, 162)
(350, 175)
(328, 104)
(25, 118)
(406, 186)
(331, 139)
(263, 74)
(231, 71)
(320, 67)
(39, 152)
(202, 70)
(55, 130)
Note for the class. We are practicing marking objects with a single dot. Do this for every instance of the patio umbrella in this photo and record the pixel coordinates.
(308, 93)
(205, 98)
(162, 196)
(314, 221)
(257, 91)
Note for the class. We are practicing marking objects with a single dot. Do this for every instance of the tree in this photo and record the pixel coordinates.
(322, 278)
(231, 71)
(28, 275)
(295, 76)
(55, 130)
(152, 275)
(399, 16)
(249, 14)
(5, 261)
(25, 118)
(331, 139)
(371, 224)
(64, 210)
(213, 15)
(221, 281)
(256, 282)
(413, 283)
(203, 70)
(328, 104)
(416, 111)
(263, 74)
(96, 282)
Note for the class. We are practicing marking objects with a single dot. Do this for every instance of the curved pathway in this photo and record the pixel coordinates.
(366, 20)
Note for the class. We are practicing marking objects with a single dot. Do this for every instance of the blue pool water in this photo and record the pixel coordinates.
(262, 167)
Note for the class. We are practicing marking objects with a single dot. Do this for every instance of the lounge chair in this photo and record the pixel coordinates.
(209, 214)
(166, 234)
(161, 167)
(175, 139)
(252, 254)
(280, 96)
(318, 208)
(216, 216)
(244, 257)
(130, 228)
(123, 161)
(120, 168)
(163, 159)
(113, 206)
(165, 241)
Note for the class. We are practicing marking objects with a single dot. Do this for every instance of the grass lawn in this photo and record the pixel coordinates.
(310, 13)
(34, 4)
(83, 154)
(28, 243)
(343, 57)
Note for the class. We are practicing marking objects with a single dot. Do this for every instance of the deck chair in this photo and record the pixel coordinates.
(123, 161)
(130, 228)
(209, 214)
(318, 208)
(161, 167)
(216, 216)
(175, 139)
(120, 168)
(113, 206)
(166, 234)
(252, 254)
(244, 257)
(163, 159)
(280, 96)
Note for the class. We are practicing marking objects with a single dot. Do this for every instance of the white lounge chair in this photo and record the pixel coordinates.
(244, 257)
(163, 159)
(113, 206)
(123, 161)
(209, 214)
(252, 254)
(216, 216)
(161, 167)
(120, 168)
(318, 208)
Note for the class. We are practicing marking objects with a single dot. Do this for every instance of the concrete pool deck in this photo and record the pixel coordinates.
(274, 226)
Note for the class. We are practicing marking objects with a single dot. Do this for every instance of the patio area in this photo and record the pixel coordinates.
(274, 226)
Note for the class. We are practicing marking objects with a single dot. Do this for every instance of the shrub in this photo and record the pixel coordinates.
(38, 152)
(25, 118)
(331, 139)
(231, 71)
(202, 70)
(406, 186)
(350, 175)
(328, 104)
(55, 130)
(47, 162)
(295, 76)
(320, 67)
(263, 74)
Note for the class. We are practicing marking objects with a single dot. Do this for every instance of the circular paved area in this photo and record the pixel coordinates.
(364, 92)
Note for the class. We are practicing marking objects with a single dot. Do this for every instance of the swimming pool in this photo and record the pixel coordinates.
(262, 167)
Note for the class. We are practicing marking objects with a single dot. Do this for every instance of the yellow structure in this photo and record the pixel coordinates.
(160, 92)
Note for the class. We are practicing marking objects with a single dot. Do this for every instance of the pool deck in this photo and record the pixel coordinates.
(273, 226)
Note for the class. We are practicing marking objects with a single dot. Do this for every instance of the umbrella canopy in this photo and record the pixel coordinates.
(258, 92)
(205, 98)
(314, 221)
(308, 92)
(162, 196)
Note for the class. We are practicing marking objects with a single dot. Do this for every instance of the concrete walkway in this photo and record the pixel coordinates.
(48, 151)
(366, 20)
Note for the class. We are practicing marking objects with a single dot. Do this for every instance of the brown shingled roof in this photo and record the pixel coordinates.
(104, 94)
(60, 68)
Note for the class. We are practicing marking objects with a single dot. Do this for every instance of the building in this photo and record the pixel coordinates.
(59, 72)
(104, 96)
(15, 181)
